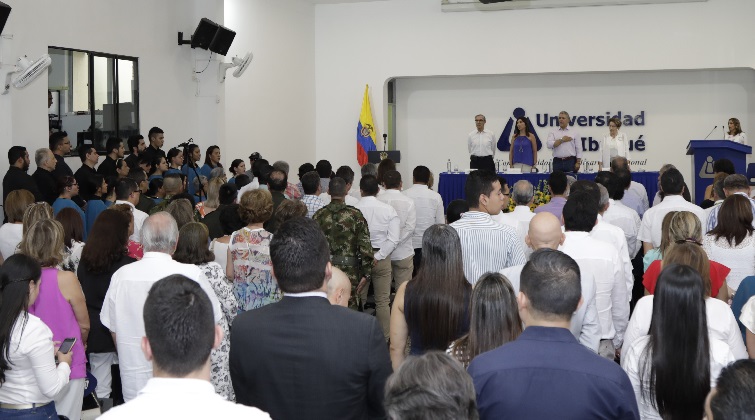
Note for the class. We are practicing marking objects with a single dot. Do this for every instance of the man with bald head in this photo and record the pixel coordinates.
(339, 288)
(545, 233)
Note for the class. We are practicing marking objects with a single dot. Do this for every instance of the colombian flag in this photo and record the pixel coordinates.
(365, 130)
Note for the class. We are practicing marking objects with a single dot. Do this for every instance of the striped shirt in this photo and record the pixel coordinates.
(486, 246)
(712, 219)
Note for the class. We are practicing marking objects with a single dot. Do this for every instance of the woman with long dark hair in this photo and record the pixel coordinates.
(494, 318)
(68, 188)
(673, 367)
(28, 374)
(523, 150)
(211, 160)
(432, 308)
(61, 305)
(732, 242)
(103, 254)
(238, 167)
(192, 249)
(191, 166)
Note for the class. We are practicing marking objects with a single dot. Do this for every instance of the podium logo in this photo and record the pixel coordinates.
(504, 142)
(706, 171)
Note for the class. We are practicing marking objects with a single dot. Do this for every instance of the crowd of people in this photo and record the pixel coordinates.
(192, 292)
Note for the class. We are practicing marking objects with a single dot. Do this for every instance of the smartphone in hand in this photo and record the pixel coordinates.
(67, 345)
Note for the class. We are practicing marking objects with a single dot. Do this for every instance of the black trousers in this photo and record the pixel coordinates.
(482, 162)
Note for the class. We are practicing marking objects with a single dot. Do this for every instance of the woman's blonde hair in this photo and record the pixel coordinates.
(682, 226)
(213, 192)
(36, 212)
(44, 242)
(256, 206)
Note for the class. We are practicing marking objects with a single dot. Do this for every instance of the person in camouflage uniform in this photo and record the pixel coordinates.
(348, 237)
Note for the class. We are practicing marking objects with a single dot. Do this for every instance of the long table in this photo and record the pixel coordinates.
(451, 184)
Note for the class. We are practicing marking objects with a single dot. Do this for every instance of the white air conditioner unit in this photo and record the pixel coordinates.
(27, 71)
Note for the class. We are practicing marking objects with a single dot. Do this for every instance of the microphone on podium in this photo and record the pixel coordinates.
(711, 132)
(385, 140)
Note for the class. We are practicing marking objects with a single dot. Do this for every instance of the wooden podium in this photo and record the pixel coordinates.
(376, 156)
(705, 152)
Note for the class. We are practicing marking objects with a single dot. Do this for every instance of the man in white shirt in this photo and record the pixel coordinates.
(310, 182)
(718, 196)
(606, 232)
(481, 146)
(485, 244)
(733, 184)
(429, 207)
(544, 231)
(129, 287)
(180, 333)
(523, 194)
(347, 175)
(366, 169)
(127, 192)
(636, 196)
(566, 144)
(384, 225)
(402, 258)
(619, 214)
(672, 184)
(602, 260)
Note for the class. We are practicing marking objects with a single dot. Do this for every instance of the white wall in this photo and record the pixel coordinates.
(372, 42)
(271, 108)
(141, 28)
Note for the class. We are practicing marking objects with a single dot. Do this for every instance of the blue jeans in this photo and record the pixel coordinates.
(564, 165)
(40, 413)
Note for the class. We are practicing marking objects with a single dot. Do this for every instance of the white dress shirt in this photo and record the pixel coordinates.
(603, 261)
(407, 215)
(606, 232)
(33, 376)
(739, 138)
(565, 149)
(481, 143)
(348, 199)
(721, 324)
(356, 193)
(519, 220)
(181, 398)
(122, 311)
(10, 237)
(650, 229)
(139, 218)
(584, 323)
(628, 221)
(486, 246)
(384, 225)
(429, 207)
(611, 147)
(633, 359)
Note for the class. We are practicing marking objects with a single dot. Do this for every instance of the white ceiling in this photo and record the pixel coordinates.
(340, 1)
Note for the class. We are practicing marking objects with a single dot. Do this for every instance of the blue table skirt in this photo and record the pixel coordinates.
(451, 185)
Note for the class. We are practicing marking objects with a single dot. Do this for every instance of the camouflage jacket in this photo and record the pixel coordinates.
(348, 236)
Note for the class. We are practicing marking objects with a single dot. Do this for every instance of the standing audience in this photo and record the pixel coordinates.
(731, 241)
(428, 205)
(732, 396)
(16, 204)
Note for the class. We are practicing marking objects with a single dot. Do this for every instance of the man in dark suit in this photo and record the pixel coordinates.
(44, 175)
(301, 357)
(17, 177)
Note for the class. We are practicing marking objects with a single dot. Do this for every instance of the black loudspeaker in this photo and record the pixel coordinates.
(204, 34)
(4, 12)
(222, 40)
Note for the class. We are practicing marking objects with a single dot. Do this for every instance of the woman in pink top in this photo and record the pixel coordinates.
(61, 306)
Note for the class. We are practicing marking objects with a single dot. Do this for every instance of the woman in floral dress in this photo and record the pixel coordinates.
(192, 249)
(249, 262)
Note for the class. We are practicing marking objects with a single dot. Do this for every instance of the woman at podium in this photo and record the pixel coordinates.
(735, 132)
(615, 143)
(523, 151)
